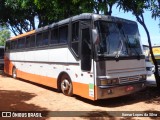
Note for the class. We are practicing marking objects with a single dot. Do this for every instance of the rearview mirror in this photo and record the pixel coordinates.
(95, 36)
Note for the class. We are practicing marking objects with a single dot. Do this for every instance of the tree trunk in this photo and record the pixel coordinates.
(157, 77)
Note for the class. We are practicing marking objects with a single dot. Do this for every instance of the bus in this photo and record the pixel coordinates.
(90, 55)
(1, 57)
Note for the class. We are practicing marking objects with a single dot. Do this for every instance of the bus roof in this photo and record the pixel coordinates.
(74, 18)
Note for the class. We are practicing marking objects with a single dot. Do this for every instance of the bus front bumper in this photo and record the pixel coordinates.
(104, 92)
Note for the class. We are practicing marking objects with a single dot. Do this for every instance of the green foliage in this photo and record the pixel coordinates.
(4, 35)
(155, 8)
(135, 6)
(17, 16)
(21, 14)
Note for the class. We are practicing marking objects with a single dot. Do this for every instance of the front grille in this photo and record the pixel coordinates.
(128, 79)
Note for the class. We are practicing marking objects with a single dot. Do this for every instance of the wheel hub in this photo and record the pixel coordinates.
(65, 85)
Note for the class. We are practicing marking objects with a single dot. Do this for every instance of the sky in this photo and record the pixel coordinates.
(151, 24)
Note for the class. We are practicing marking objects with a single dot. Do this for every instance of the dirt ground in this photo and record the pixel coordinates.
(20, 95)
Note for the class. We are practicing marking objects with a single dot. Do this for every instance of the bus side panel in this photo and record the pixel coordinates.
(82, 89)
(51, 82)
(46, 73)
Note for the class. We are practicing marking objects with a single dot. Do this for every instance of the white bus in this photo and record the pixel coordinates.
(90, 55)
(1, 57)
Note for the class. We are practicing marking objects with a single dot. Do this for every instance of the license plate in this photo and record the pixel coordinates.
(129, 88)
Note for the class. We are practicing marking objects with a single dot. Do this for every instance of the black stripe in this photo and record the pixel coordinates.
(108, 58)
(45, 62)
(39, 48)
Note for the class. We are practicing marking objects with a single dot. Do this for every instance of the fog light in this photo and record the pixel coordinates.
(143, 85)
(142, 77)
(109, 91)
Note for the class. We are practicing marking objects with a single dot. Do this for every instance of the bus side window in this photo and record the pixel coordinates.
(28, 41)
(39, 39)
(21, 43)
(7, 47)
(45, 38)
(32, 41)
(63, 34)
(75, 38)
(54, 36)
(14, 44)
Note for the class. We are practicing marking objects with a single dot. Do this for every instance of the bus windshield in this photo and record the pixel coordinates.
(118, 39)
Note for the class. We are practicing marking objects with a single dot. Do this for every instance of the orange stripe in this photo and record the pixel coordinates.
(78, 88)
(44, 80)
(95, 93)
(22, 35)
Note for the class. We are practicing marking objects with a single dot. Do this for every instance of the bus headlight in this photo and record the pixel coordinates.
(109, 81)
(142, 77)
(103, 82)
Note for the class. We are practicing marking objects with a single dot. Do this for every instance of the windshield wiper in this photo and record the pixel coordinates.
(119, 50)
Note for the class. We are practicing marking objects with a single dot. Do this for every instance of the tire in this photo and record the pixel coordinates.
(14, 73)
(66, 85)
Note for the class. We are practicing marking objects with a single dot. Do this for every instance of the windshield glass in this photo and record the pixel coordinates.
(120, 39)
(132, 36)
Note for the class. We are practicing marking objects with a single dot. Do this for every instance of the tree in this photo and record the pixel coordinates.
(16, 16)
(96, 6)
(20, 15)
(4, 35)
(137, 8)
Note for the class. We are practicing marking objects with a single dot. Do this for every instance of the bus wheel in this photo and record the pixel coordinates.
(66, 85)
(14, 73)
